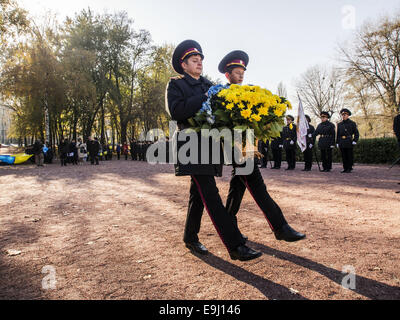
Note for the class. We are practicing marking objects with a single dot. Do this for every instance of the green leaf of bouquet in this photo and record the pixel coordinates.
(192, 122)
(244, 128)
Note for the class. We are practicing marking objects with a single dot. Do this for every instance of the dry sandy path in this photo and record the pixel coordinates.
(114, 231)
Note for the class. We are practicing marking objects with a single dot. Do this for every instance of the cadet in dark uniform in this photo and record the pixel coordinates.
(396, 128)
(263, 149)
(347, 138)
(185, 97)
(310, 140)
(276, 147)
(289, 137)
(234, 66)
(326, 143)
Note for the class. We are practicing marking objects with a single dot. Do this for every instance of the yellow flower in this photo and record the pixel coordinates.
(256, 117)
(230, 106)
(246, 113)
(263, 111)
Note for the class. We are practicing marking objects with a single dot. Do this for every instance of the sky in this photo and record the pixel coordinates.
(282, 37)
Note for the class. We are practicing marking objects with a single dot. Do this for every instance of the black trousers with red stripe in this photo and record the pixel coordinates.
(255, 184)
(205, 194)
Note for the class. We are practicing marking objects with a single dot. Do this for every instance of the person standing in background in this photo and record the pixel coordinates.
(308, 153)
(326, 143)
(289, 142)
(347, 138)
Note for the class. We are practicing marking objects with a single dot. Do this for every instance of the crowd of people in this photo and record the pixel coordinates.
(78, 152)
(344, 137)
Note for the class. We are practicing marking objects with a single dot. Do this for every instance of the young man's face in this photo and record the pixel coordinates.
(236, 76)
(289, 121)
(324, 118)
(193, 65)
(345, 116)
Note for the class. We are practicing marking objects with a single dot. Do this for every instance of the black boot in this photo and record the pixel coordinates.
(197, 247)
(244, 253)
(288, 234)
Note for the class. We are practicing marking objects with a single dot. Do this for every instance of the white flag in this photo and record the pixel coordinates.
(302, 128)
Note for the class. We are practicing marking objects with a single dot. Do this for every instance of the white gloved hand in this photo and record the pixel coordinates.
(310, 146)
(337, 146)
(310, 135)
(280, 146)
(332, 147)
(292, 142)
(354, 143)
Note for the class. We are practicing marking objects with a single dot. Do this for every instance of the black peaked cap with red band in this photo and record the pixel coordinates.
(185, 50)
(234, 59)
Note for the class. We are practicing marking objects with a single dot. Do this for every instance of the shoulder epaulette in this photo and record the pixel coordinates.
(177, 77)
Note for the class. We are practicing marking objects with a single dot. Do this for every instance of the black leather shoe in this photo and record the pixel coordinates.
(197, 247)
(288, 234)
(244, 253)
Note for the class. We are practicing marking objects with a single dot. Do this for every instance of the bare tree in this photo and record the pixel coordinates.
(321, 90)
(375, 56)
(362, 98)
(282, 92)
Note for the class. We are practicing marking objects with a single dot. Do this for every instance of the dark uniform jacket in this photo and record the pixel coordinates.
(396, 127)
(276, 142)
(185, 97)
(347, 132)
(310, 136)
(93, 147)
(263, 146)
(289, 135)
(63, 147)
(326, 131)
(38, 148)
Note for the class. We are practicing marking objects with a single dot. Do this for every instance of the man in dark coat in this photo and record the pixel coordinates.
(310, 140)
(93, 147)
(289, 137)
(263, 149)
(326, 143)
(63, 149)
(48, 155)
(396, 128)
(185, 96)
(347, 138)
(234, 66)
(276, 148)
(73, 151)
(38, 152)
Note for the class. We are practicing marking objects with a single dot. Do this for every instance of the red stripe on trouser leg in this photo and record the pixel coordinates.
(205, 205)
(252, 194)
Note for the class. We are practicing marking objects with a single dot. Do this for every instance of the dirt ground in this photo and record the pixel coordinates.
(115, 231)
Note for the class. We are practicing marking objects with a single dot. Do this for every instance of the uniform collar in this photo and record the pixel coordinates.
(192, 81)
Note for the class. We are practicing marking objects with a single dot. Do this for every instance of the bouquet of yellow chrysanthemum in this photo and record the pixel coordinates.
(243, 107)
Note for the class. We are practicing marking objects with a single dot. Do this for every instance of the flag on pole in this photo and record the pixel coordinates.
(302, 128)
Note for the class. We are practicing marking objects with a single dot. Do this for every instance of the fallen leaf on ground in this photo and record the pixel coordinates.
(13, 252)
(294, 291)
